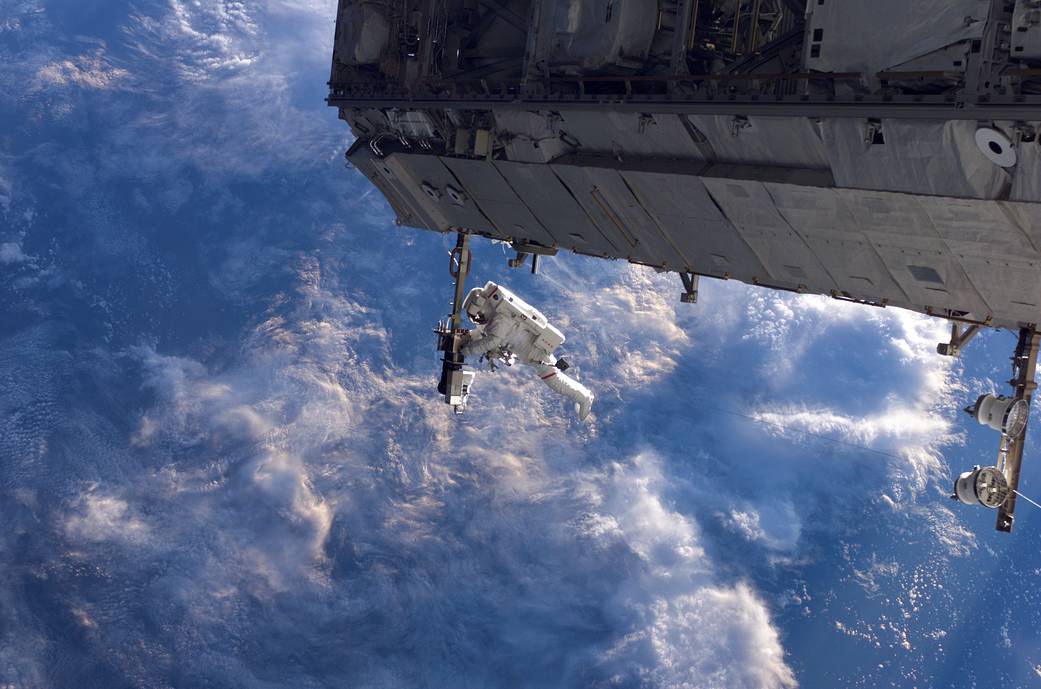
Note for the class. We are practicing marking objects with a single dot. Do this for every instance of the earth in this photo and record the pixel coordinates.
(223, 461)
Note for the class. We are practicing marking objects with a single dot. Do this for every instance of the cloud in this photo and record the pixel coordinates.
(194, 72)
(283, 536)
(31, 394)
(731, 628)
(11, 252)
(91, 71)
(774, 525)
(205, 40)
(337, 478)
(911, 420)
(684, 630)
(307, 470)
(100, 517)
(5, 191)
(225, 85)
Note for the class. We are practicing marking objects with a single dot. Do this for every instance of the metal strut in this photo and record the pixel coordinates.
(1010, 457)
(525, 249)
(459, 268)
(690, 288)
(455, 382)
(959, 339)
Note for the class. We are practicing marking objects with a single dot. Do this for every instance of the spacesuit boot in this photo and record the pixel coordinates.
(566, 386)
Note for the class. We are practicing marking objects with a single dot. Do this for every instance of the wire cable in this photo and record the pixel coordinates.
(1027, 499)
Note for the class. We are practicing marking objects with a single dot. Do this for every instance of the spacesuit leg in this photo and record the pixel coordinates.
(567, 386)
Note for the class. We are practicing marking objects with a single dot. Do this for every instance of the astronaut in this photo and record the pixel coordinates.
(510, 330)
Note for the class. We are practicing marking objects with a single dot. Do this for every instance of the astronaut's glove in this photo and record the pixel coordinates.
(505, 356)
(499, 356)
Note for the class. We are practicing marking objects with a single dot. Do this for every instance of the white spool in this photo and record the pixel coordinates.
(996, 146)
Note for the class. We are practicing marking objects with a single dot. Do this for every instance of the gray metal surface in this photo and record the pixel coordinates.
(606, 199)
(776, 141)
(630, 135)
(498, 201)
(915, 107)
(855, 35)
(924, 157)
(556, 208)
(974, 259)
(787, 258)
(423, 172)
(399, 191)
(1026, 178)
(1026, 31)
(681, 207)
(533, 137)
(829, 229)
(860, 182)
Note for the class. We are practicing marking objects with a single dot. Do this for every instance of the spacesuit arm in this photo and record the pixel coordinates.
(475, 345)
(485, 338)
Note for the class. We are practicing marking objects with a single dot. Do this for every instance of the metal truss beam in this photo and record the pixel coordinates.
(1024, 367)
(1017, 108)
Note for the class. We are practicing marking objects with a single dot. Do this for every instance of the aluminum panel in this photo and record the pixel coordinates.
(419, 172)
(498, 201)
(1009, 286)
(858, 36)
(829, 229)
(608, 201)
(857, 269)
(787, 259)
(934, 157)
(978, 228)
(978, 235)
(687, 216)
(554, 206)
(918, 255)
(774, 141)
(880, 215)
(1026, 178)
(530, 137)
(931, 276)
(625, 134)
(399, 195)
(1027, 217)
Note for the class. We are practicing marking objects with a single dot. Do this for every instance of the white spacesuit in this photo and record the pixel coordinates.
(508, 329)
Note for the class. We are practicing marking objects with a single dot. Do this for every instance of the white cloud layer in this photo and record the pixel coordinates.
(914, 394)
(325, 446)
(11, 252)
(99, 517)
(209, 39)
(224, 82)
(5, 190)
(90, 70)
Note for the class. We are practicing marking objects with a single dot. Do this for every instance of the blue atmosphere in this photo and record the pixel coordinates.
(223, 462)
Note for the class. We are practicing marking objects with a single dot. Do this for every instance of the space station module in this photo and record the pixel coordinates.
(509, 330)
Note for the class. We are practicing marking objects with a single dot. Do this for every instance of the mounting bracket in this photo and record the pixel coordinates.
(959, 339)
(690, 288)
